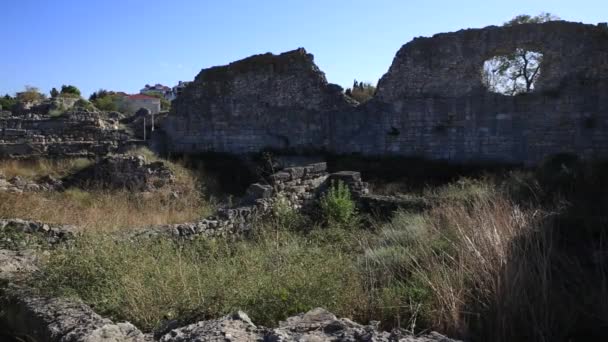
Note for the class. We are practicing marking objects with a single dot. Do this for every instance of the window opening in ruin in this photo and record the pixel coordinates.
(514, 73)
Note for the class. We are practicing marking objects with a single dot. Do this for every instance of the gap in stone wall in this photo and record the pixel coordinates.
(513, 73)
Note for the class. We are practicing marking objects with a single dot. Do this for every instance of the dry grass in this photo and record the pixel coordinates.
(480, 267)
(103, 210)
(99, 210)
(32, 169)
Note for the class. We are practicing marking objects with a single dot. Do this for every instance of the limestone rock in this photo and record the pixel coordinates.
(317, 325)
(61, 320)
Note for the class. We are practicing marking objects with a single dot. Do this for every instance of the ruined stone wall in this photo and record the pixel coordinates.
(74, 134)
(430, 104)
(259, 102)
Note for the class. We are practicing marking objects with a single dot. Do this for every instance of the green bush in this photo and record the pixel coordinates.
(7, 102)
(69, 91)
(107, 103)
(337, 206)
(84, 104)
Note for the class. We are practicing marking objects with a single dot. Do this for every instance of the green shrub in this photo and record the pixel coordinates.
(84, 104)
(69, 91)
(338, 207)
(284, 216)
(7, 102)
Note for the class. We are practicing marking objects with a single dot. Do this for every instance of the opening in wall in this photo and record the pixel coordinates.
(514, 73)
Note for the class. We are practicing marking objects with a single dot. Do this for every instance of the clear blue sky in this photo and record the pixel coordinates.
(124, 44)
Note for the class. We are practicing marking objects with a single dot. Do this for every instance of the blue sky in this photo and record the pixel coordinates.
(124, 44)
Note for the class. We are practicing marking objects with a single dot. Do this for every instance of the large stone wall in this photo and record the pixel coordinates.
(430, 104)
(262, 101)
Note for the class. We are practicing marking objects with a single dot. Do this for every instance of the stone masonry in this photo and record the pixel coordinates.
(431, 103)
(74, 134)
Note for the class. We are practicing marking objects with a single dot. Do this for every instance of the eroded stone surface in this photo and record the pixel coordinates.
(317, 325)
(60, 320)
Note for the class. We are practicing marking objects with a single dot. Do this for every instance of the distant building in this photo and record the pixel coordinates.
(177, 90)
(135, 102)
(157, 89)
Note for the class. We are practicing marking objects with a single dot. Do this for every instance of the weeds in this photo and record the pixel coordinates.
(148, 282)
(337, 206)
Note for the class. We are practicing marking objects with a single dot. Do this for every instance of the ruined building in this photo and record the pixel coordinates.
(431, 103)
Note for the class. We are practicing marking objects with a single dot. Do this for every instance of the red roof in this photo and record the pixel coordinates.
(142, 97)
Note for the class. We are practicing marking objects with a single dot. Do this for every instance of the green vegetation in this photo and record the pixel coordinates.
(69, 91)
(31, 94)
(84, 104)
(337, 206)
(443, 269)
(528, 19)
(361, 91)
(509, 257)
(7, 102)
(149, 281)
(106, 100)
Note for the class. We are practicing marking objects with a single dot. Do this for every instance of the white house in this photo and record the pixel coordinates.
(138, 101)
(157, 89)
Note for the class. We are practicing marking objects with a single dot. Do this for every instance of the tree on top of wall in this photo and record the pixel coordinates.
(361, 91)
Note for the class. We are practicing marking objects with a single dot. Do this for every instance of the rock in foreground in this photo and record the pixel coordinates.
(316, 325)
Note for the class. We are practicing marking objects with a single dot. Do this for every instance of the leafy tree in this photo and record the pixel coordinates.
(7, 102)
(54, 93)
(516, 72)
(528, 19)
(106, 103)
(361, 91)
(70, 91)
(105, 100)
(31, 94)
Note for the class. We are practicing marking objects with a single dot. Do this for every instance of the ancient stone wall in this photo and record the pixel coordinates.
(431, 103)
(259, 102)
(74, 134)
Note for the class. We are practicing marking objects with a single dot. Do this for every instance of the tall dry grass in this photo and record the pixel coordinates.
(103, 210)
(480, 267)
(32, 169)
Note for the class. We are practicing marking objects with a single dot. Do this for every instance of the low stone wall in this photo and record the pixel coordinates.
(124, 172)
(18, 184)
(74, 134)
(52, 234)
